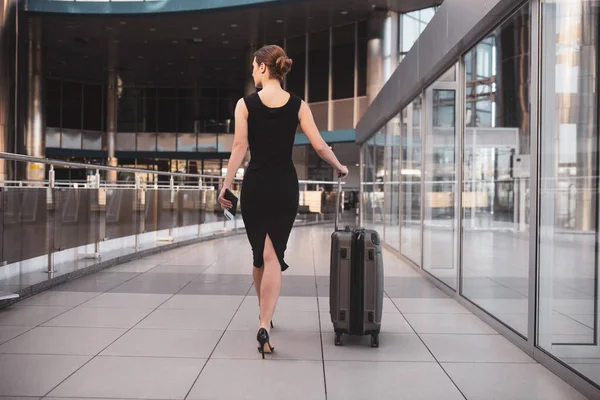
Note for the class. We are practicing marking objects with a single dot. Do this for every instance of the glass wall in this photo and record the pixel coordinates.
(392, 184)
(412, 24)
(568, 247)
(510, 160)
(410, 174)
(495, 234)
(440, 220)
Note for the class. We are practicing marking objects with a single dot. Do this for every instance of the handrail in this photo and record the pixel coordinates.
(47, 161)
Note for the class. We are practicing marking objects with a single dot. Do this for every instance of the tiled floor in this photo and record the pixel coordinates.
(183, 326)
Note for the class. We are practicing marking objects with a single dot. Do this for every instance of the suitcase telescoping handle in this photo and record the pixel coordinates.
(338, 202)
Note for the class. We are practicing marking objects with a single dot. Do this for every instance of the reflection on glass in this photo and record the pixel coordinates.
(392, 186)
(439, 216)
(495, 198)
(378, 187)
(410, 203)
(367, 183)
(568, 250)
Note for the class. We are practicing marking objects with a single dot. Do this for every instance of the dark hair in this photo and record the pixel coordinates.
(275, 59)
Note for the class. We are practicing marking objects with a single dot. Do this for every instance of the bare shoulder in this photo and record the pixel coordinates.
(240, 107)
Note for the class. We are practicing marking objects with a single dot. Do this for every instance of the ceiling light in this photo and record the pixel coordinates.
(174, 41)
(192, 58)
(109, 28)
(234, 25)
(116, 41)
(86, 57)
(234, 58)
(279, 21)
(152, 29)
(344, 12)
(59, 40)
(169, 63)
(197, 40)
(140, 57)
(225, 41)
(194, 28)
(123, 23)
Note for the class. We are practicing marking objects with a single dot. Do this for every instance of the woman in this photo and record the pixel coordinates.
(267, 122)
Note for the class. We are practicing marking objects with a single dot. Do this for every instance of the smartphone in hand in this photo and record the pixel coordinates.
(230, 214)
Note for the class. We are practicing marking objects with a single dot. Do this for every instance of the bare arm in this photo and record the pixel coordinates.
(307, 123)
(240, 142)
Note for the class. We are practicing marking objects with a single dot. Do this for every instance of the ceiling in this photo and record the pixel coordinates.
(171, 49)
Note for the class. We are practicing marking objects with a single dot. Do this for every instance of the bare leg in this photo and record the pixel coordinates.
(270, 286)
(257, 274)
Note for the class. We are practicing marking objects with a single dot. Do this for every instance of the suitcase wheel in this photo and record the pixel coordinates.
(374, 340)
(338, 339)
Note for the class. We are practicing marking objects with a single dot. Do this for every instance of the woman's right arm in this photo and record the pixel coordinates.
(308, 126)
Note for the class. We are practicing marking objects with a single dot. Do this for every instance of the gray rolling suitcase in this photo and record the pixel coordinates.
(355, 282)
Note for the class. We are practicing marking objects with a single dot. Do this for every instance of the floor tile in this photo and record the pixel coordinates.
(206, 320)
(165, 343)
(58, 299)
(223, 279)
(390, 323)
(81, 285)
(58, 340)
(388, 380)
(127, 300)
(449, 323)
(29, 315)
(288, 345)
(509, 381)
(134, 266)
(100, 318)
(9, 332)
(35, 375)
(392, 347)
(290, 380)
(284, 304)
(202, 302)
(132, 378)
(430, 306)
(177, 269)
(228, 289)
(474, 348)
(415, 292)
(155, 284)
(298, 321)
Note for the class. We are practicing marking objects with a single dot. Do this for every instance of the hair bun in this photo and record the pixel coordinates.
(283, 65)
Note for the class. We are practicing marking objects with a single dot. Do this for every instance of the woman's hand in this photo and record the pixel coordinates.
(226, 204)
(343, 171)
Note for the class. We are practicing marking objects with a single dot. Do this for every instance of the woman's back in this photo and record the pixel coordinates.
(272, 125)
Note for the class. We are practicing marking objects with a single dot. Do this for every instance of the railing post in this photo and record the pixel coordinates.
(200, 207)
(50, 231)
(138, 201)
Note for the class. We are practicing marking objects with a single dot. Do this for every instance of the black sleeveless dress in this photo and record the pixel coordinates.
(269, 198)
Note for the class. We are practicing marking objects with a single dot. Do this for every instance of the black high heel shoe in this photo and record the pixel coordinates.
(263, 339)
(271, 321)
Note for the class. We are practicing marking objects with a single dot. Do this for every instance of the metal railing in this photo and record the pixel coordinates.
(52, 226)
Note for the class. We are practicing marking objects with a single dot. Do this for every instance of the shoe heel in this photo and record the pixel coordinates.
(263, 340)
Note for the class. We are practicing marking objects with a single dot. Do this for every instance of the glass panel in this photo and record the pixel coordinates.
(146, 142)
(186, 142)
(392, 187)
(378, 187)
(125, 142)
(207, 142)
(343, 62)
(225, 143)
(71, 139)
(568, 250)
(369, 177)
(410, 226)
(92, 141)
(52, 138)
(167, 142)
(439, 216)
(495, 254)
(296, 50)
(318, 67)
